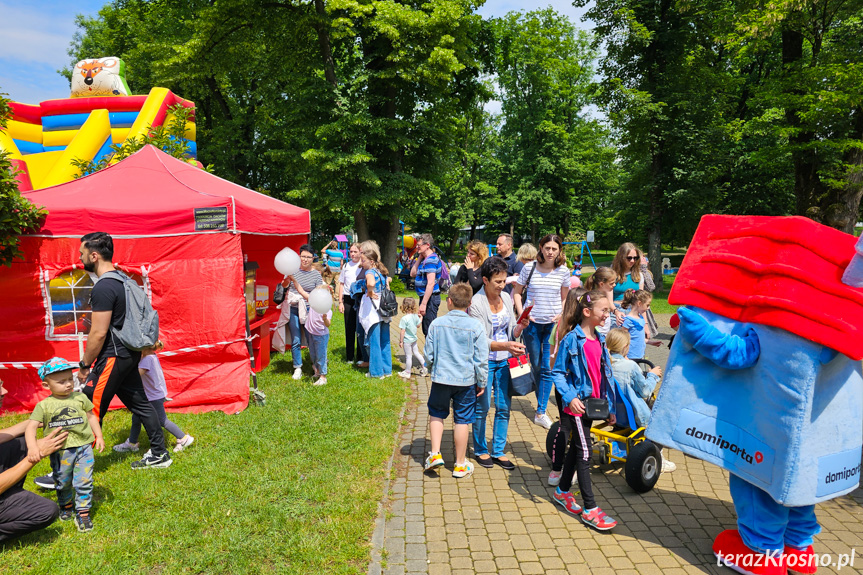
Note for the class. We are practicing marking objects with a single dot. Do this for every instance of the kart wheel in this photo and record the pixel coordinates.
(549, 438)
(643, 466)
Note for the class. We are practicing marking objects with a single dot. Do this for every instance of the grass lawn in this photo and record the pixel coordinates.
(292, 487)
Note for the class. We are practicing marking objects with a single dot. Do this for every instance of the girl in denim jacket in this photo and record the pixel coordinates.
(581, 370)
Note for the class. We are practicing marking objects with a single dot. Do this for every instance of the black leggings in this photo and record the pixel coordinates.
(578, 459)
(119, 376)
(558, 449)
(350, 326)
(21, 511)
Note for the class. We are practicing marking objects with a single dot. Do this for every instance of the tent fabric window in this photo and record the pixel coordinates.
(67, 300)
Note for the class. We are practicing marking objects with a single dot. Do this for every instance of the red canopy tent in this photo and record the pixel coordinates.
(181, 232)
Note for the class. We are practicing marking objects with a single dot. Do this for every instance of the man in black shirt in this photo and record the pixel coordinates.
(504, 250)
(114, 366)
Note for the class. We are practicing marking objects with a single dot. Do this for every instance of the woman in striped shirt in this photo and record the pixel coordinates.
(547, 281)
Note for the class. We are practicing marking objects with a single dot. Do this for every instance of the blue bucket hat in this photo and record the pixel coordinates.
(54, 365)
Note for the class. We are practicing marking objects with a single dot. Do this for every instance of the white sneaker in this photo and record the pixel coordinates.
(405, 374)
(321, 380)
(126, 446)
(668, 466)
(423, 372)
(542, 420)
(298, 373)
(554, 478)
(184, 443)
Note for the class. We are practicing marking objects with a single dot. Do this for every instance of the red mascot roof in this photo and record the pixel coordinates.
(153, 194)
(784, 272)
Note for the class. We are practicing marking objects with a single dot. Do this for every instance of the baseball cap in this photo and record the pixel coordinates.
(54, 365)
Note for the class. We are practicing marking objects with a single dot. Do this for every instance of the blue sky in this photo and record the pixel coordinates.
(34, 38)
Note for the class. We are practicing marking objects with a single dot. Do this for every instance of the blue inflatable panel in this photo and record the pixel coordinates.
(26, 147)
(103, 151)
(63, 122)
(122, 119)
(75, 121)
(54, 148)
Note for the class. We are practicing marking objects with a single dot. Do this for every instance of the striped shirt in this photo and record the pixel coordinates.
(430, 264)
(544, 291)
(309, 280)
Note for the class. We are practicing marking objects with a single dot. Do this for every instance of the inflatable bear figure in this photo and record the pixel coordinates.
(99, 77)
(764, 378)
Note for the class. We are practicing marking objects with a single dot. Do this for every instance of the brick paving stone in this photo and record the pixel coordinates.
(506, 522)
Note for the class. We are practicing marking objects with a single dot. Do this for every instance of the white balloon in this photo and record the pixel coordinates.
(287, 262)
(321, 300)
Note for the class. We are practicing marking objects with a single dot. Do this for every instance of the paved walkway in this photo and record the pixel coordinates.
(505, 522)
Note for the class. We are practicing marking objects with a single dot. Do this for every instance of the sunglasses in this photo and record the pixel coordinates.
(632, 258)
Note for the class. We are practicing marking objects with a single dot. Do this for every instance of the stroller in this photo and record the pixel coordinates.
(623, 442)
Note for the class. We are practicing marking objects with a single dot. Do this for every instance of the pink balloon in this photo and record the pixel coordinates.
(574, 282)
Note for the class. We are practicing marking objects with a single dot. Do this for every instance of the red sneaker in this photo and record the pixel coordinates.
(597, 519)
(801, 561)
(732, 552)
(566, 499)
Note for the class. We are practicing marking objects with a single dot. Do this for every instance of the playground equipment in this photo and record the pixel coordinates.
(42, 140)
(583, 245)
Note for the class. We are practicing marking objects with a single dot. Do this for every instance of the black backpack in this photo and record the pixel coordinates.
(389, 305)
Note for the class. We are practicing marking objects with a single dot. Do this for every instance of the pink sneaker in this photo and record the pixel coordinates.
(554, 478)
(567, 500)
(597, 519)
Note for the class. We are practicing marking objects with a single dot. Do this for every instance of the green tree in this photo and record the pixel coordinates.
(345, 107)
(17, 215)
(808, 100)
(557, 162)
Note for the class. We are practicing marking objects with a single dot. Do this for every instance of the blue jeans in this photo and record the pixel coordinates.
(766, 525)
(536, 340)
(318, 351)
(73, 472)
(296, 331)
(498, 382)
(380, 355)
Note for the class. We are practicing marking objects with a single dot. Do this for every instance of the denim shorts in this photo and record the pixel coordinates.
(463, 402)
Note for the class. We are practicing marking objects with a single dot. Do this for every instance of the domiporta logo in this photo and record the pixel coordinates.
(725, 444)
(741, 452)
(838, 472)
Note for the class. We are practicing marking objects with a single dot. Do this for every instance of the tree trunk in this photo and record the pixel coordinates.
(533, 238)
(324, 43)
(453, 242)
(472, 230)
(807, 185)
(361, 225)
(512, 225)
(843, 206)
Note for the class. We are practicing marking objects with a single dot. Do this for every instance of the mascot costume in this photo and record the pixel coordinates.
(764, 378)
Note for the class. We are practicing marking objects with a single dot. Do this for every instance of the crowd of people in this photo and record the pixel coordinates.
(504, 306)
(501, 306)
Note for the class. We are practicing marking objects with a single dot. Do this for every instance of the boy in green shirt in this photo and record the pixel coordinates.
(73, 463)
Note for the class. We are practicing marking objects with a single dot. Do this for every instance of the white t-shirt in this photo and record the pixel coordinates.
(544, 291)
(315, 322)
(348, 275)
(153, 378)
(499, 332)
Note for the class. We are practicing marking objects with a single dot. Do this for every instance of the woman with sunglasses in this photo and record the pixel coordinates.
(627, 264)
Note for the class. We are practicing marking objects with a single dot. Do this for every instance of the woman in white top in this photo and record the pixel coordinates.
(347, 276)
(547, 281)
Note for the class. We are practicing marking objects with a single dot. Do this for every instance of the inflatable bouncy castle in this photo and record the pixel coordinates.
(198, 245)
(42, 140)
